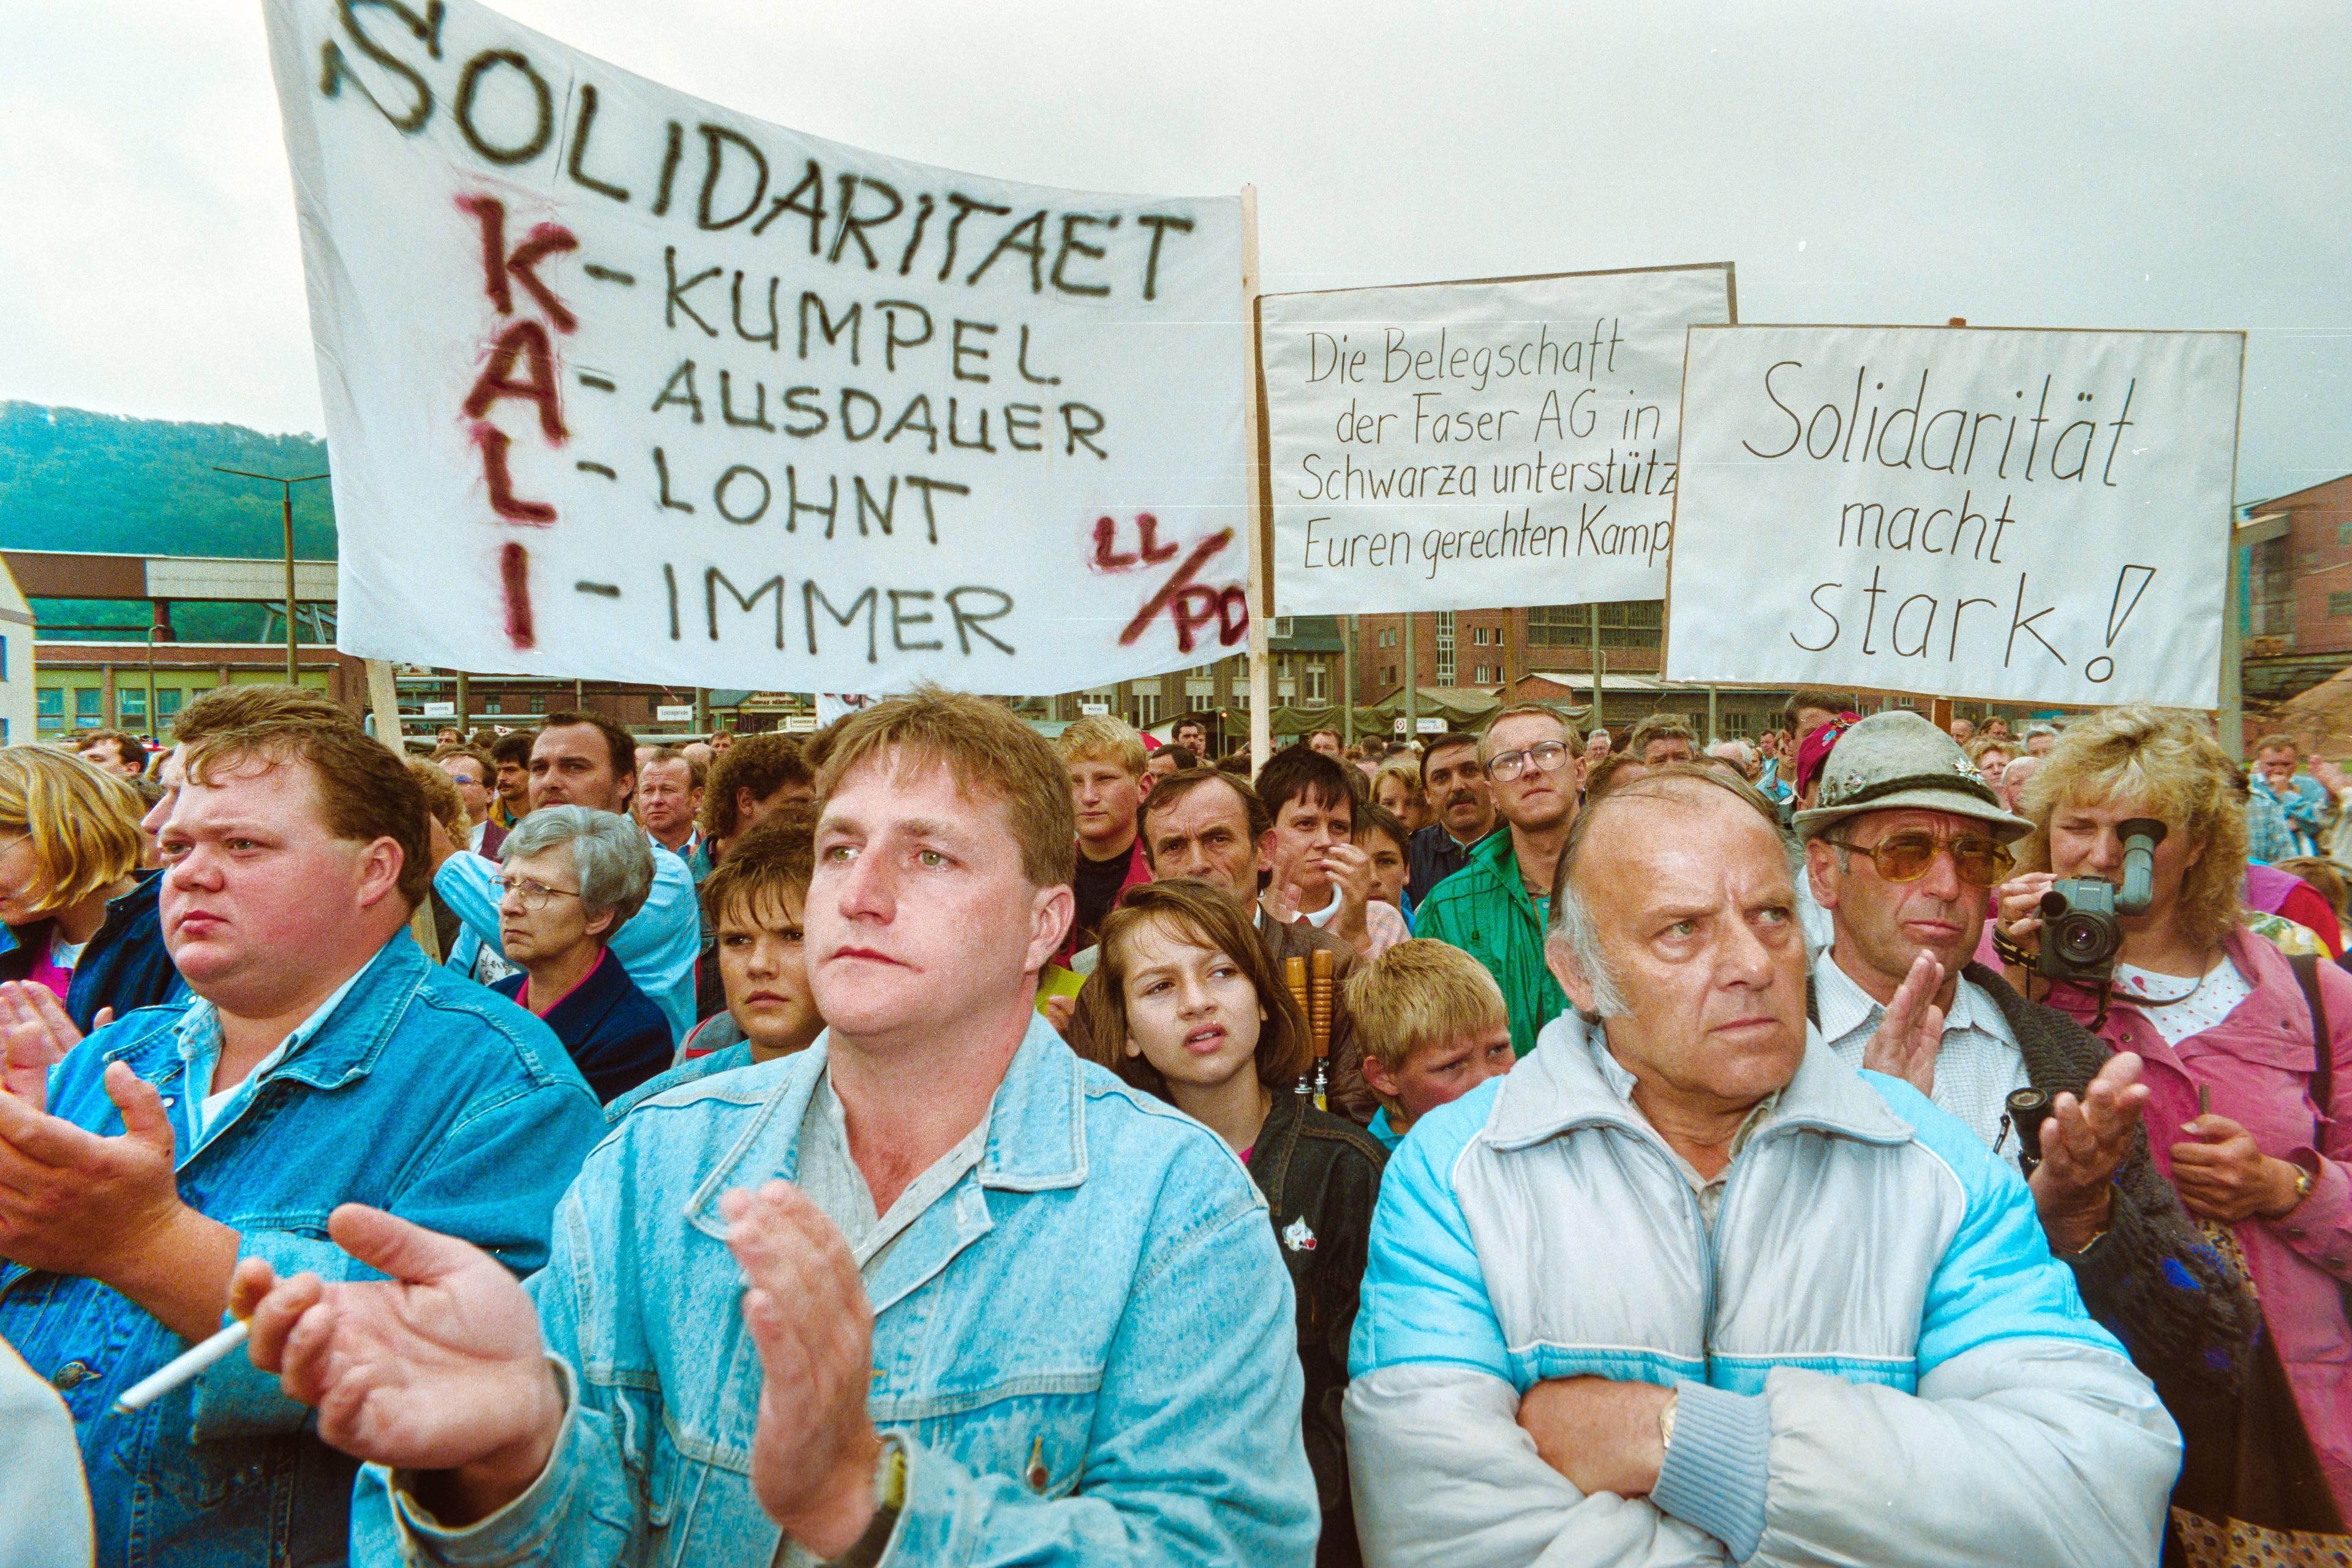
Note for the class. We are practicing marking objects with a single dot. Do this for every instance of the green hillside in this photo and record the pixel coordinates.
(72, 480)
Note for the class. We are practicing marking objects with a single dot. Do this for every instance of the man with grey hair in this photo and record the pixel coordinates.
(2039, 738)
(1684, 1287)
(570, 877)
(1740, 754)
(2014, 780)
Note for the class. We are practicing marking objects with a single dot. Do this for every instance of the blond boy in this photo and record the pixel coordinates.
(1105, 758)
(1432, 1025)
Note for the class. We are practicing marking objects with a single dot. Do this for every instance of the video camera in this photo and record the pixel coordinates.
(2080, 932)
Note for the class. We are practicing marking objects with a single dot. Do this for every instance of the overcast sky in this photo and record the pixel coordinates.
(2128, 164)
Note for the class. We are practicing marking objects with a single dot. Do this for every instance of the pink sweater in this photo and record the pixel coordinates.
(2256, 1065)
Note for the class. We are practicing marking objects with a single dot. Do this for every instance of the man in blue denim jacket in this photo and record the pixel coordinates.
(932, 1290)
(323, 1059)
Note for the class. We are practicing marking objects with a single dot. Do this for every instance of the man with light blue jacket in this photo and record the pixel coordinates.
(1685, 1289)
(932, 1290)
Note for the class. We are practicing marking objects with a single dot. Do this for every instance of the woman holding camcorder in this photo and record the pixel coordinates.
(2245, 1054)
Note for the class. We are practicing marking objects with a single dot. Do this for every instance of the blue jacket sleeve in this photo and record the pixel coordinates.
(494, 1181)
(1424, 1297)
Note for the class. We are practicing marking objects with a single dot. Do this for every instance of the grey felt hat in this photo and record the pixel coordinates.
(1897, 761)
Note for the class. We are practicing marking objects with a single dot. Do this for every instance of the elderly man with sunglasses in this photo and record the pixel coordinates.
(1497, 906)
(1903, 846)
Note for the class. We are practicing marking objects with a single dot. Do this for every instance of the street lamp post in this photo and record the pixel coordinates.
(286, 495)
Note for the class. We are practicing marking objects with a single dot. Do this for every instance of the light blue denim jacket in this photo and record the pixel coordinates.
(1087, 1345)
(420, 1093)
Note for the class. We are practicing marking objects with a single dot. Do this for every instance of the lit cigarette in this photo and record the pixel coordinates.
(180, 1369)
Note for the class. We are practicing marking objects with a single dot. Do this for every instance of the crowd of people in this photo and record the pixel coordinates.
(926, 1141)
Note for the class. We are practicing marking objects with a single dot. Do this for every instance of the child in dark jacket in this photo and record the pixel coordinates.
(1186, 1007)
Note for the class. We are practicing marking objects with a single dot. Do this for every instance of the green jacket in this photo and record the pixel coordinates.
(1484, 910)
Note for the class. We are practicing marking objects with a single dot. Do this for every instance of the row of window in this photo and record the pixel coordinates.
(1634, 623)
(90, 706)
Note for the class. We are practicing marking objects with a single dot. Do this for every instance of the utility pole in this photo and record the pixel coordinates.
(1412, 682)
(1347, 636)
(1597, 721)
(286, 496)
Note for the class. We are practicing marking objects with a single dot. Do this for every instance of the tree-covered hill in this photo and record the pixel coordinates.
(72, 480)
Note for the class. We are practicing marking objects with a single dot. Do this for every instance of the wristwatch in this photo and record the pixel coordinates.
(1666, 1422)
(890, 1499)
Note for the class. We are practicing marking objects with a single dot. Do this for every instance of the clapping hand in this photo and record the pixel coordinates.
(438, 1368)
(35, 1035)
(1911, 1032)
(2082, 1144)
(814, 1451)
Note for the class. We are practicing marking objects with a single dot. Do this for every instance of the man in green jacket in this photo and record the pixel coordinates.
(1497, 906)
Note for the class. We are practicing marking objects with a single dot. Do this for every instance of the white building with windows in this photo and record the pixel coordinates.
(15, 663)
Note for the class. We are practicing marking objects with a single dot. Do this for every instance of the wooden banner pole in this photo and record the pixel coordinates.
(1261, 513)
(383, 702)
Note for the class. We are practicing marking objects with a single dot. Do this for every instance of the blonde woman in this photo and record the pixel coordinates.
(2225, 1026)
(81, 923)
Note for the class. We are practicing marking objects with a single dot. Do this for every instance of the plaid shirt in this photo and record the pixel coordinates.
(2268, 839)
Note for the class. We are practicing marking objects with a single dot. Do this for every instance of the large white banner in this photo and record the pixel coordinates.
(620, 385)
(1460, 445)
(2018, 515)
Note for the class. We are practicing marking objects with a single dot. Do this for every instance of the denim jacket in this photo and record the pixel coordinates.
(421, 1093)
(1087, 1345)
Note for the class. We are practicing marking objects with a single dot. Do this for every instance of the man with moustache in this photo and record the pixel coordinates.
(1495, 907)
(930, 1290)
(1462, 805)
(323, 1059)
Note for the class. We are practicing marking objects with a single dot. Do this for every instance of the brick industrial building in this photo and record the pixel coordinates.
(2298, 591)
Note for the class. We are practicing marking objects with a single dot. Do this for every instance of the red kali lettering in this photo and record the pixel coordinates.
(498, 264)
(525, 341)
(494, 444)
(514, 578)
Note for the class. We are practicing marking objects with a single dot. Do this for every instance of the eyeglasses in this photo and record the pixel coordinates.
(532, 896)
(1908, 854)
(1547, 755)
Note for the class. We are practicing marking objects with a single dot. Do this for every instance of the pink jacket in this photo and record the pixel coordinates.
(2256, 1066)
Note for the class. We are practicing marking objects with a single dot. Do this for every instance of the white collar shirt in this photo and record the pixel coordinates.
(1976, 1068)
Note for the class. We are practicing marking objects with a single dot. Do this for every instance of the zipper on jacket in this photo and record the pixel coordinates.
(1654, 1143)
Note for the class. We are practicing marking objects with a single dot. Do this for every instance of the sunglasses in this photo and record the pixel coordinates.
(1908, 854)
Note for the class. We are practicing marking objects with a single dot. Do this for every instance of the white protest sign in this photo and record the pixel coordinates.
(1460, 445)
(2016, 515)
(620, 385)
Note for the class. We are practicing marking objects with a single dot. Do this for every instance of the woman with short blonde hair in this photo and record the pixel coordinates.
(68, 844)
(2250, 1122)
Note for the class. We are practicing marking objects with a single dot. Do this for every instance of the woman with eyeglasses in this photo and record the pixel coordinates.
(2246, 1057)
(568, 879)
